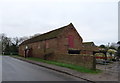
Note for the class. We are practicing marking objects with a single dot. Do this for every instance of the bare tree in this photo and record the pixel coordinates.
(10, 45)
(5, 42)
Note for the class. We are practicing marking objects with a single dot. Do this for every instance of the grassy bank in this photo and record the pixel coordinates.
(70, 66)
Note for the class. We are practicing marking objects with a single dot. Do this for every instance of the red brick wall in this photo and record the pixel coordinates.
(76, 59)
(63, 42)
(21, 50)
(86, 52)
(89, 50)
(40, 48)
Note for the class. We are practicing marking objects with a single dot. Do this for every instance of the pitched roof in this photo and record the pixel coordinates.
(88, 43)
(46, 36)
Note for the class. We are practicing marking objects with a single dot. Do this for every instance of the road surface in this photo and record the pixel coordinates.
(17, 70)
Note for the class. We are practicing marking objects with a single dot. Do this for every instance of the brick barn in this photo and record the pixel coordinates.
(61, 40)
(63, 44)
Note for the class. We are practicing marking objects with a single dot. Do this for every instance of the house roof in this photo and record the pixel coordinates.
(46, 36)
(88, 44)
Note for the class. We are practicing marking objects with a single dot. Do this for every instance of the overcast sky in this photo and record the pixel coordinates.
(95, 21)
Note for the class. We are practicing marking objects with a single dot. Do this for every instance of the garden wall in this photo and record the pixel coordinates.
(76, 59)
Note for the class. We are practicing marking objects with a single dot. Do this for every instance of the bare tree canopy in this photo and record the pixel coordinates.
(10, 45)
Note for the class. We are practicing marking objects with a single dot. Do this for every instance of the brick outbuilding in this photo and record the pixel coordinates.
(61, 40)
(88, 48)
(59, 45)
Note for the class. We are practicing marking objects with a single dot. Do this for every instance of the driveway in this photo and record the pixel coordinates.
(112, 69)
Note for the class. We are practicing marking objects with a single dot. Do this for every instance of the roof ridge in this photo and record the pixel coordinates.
(89, 42)
(48, 35)
(55, 29)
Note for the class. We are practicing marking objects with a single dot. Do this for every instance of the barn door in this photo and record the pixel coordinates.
(71, 41)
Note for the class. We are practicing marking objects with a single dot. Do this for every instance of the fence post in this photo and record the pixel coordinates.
(94, 62)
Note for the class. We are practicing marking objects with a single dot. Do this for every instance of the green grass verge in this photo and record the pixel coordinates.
(70, 66)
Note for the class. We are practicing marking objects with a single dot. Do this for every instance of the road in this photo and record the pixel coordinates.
(17, 70)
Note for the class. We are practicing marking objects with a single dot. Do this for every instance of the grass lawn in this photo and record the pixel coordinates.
(70, 66)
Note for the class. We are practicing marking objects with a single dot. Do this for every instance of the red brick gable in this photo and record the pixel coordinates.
(49, 35)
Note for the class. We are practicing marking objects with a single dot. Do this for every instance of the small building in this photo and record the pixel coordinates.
(88, 48)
